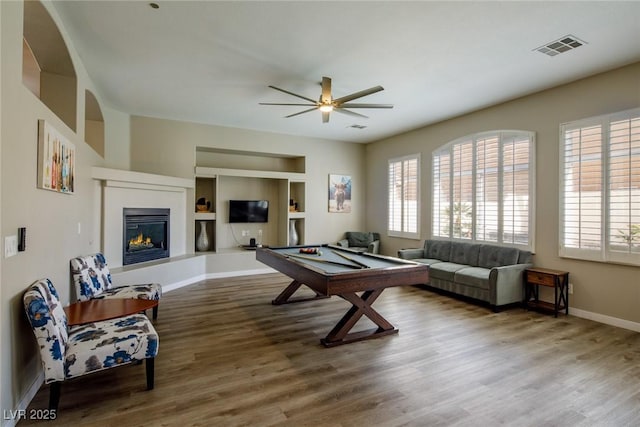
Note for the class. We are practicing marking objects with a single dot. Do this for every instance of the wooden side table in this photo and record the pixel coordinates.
(97, 310)
(556, 279)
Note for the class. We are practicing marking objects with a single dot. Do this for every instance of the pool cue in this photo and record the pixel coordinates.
(323, 260)
(361, 264)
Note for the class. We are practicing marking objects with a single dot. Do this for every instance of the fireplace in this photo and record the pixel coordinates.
(145, 236)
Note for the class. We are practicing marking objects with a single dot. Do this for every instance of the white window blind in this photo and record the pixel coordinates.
(404, 197)
(600, 169)
(483, 188)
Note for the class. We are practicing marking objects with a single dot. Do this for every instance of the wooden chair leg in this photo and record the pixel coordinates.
(54, 395)
(150, 371)
(155, 312)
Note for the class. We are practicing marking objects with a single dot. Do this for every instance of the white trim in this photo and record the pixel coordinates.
(607, 320)
(25, 401)
(200, 277)
(121, 175)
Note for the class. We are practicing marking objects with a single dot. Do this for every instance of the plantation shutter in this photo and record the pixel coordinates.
(441, 193)
(516, 163)
(487, 189)
(403, 196)
(582, 192)
(624, 189)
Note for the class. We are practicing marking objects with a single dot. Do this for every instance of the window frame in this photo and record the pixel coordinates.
(504, 136)
(604, 253)
(403, 233)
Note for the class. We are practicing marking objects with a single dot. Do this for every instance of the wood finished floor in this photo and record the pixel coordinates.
(229, 358)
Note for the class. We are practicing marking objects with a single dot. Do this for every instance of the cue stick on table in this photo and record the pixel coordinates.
(361, 264)
(324, 260)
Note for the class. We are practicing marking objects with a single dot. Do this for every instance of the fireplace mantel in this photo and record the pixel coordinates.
(118, 189)
(131, 179)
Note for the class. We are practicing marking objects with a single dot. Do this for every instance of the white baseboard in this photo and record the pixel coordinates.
(181, 284)
(20, 412)
(607, 320)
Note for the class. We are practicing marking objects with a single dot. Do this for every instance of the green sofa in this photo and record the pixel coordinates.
(484, 272)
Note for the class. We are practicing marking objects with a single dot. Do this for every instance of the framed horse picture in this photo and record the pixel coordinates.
(339, 193)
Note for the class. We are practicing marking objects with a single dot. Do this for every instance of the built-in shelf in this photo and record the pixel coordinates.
(219, 185)
(205, 216)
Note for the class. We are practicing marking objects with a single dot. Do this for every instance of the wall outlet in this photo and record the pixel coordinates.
(570, 288)
(10, 246)
(245, 233)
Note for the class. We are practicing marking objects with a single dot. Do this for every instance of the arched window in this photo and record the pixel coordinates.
(483, 189)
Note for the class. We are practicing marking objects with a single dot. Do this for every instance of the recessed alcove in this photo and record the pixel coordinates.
(93, 123)
(247, 160)
(47, 68)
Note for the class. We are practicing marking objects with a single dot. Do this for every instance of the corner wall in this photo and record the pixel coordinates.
(52, 219)
(168, 147)
(599, 288)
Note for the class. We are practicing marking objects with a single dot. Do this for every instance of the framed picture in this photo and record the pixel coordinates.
(339, 193)
(56, 160)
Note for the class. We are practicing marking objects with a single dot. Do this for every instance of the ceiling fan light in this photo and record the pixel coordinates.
(326, 108)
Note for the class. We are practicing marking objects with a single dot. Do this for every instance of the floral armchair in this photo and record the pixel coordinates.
(361, 241)
(68, 353)
(92, 279)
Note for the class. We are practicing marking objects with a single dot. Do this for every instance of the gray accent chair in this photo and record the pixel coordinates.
(361, 241)
(484, 272)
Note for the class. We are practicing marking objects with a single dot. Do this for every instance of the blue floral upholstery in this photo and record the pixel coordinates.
(67, 353)
(92, 279)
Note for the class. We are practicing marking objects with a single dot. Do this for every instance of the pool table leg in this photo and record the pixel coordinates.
(361, 305)
(284, 296)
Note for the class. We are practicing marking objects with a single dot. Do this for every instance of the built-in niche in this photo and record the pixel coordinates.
(47, 68)
(93, 123)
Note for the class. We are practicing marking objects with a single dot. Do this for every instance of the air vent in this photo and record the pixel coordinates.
(357, 126)
(561, 45)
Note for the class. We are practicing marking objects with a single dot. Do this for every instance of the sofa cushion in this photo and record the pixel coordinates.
(476, 277)
(359, 239)
(427, 261)
(445, 270)
(464, 253)
(496, 256)
(525, 257)
(438, 249)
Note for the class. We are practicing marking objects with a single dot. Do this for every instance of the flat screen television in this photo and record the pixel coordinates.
(248, 211)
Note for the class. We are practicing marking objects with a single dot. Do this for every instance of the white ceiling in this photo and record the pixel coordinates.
(211, 61)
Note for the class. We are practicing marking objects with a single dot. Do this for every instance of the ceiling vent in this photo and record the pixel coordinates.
(357, 126)
(561, 45)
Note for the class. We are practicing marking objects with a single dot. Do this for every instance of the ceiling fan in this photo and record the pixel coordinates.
(326, 103)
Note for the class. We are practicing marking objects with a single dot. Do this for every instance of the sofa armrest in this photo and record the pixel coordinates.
(344, 243)
(506, 285)
(411, 253)
(374, 247)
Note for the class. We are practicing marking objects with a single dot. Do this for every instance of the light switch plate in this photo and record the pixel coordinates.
(10, 246)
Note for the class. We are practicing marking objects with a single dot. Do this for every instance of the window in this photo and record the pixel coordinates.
(404, 197)
(600, 182)
(483, 189)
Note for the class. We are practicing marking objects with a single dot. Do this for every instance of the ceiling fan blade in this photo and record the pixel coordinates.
(293, 94)
(275, 103)
(356, 105)
(325, 117)
(325, 98)
(301, 112)
(350, 113)
(356, 95)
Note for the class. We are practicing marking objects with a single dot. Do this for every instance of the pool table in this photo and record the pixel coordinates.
(358, 278)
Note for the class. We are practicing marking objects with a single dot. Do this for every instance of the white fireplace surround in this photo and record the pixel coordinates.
(117, 189)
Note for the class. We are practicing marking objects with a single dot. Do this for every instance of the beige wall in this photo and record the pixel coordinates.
(605, 289)
(168, 147)
(51, 219)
